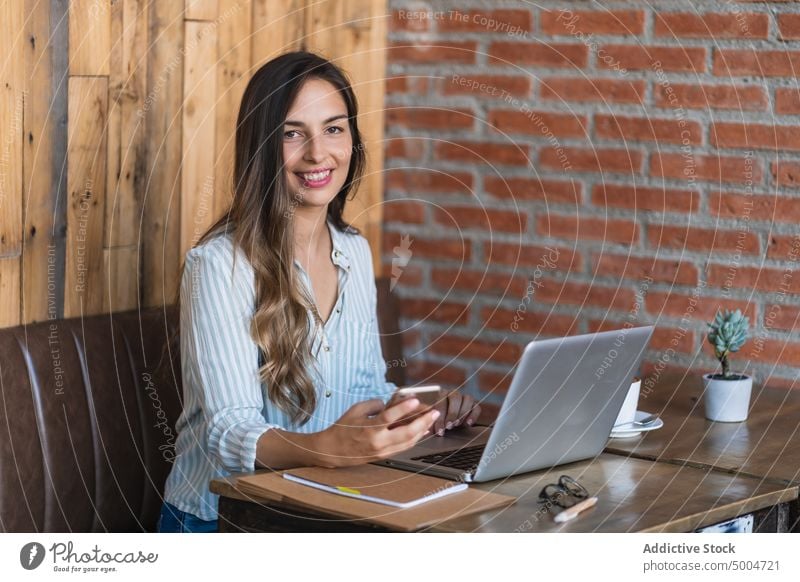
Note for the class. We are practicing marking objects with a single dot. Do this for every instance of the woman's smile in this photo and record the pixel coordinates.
(316, 179)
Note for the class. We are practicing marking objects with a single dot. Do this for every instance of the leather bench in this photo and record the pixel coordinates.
(88, 416)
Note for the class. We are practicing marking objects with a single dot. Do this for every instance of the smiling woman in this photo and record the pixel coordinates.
(281, 357)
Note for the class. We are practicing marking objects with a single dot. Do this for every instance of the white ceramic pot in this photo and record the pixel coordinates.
(727, 400)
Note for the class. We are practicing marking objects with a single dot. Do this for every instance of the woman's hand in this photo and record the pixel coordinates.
(362, 434)
(455, 410)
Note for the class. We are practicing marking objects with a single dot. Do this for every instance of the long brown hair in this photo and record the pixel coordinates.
(257, 221)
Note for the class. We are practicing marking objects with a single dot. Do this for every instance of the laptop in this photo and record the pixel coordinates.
(561, 406)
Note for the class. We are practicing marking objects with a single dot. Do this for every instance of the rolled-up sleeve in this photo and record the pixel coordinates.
(220, 359)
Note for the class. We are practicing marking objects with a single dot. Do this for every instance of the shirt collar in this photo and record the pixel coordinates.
(338, 255)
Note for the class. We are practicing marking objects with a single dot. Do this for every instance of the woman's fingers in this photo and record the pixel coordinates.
(393, 413)
(473, 415)
(467, 402)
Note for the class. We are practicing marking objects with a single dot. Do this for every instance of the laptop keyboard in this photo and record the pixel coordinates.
(465, 459)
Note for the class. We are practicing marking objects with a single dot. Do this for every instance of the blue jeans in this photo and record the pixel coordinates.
(173, 520)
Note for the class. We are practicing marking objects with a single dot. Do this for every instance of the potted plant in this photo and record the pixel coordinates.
(727, 394)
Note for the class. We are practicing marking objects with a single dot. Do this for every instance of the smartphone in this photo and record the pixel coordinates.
(427, 395)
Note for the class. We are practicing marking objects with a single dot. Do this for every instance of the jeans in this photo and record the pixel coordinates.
(173, 520)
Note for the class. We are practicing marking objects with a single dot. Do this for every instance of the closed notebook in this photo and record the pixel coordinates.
(376, 484)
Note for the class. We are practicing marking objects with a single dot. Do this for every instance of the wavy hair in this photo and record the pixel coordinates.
(257, 221)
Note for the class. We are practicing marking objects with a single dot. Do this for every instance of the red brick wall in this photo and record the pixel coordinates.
(554, 172)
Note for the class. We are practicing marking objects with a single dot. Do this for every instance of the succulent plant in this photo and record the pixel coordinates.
(727, 334)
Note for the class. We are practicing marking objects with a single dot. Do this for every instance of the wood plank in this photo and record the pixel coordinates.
(126, 128)
(40, 278)
(120, 273)
(86, 183)
(162, 107)
(199, 92)
(278, 27)
(233, 72)
(10, 291)
(201, 9)
(767, 445)
(89, 37)
(352, 34)
(12, 87)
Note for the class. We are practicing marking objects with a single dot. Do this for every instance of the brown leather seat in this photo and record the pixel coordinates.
(88, 415)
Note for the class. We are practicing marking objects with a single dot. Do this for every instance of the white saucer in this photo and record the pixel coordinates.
(630, 431)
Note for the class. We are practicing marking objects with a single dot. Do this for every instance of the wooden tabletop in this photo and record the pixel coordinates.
(634, 495)
(767, 445)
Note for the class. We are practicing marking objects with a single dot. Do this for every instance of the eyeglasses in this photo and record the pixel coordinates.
(566, 493)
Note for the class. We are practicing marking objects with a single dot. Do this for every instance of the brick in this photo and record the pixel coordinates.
(507, 154)
(489, 220)
(772, 351)
(485, 281)
(487, 21)
(782, 317)
(672, 271)
(430, 118)
(760, 278)
(653, 58)
(503, 352)
(428, 180)
(625, 161)
(649, 129)
(430, 248)
(576, 22)
(550, 191)
(706, 167)
(755, 207)
(711, 25)
(494, 382)
(703, 308)
(407, 276)
(439, 52)
(787, 101)
(538, 54)
(644, 198)
(527, 321)
(784, 247)
(549, 258)
(663, 338)
(411, 84)
(408, 148)
(420, 372)
(690, 238)
(786, 174)
(538, 123)
(789, 26)
(763, 63)
(755, 136)
(592, 90)
(497, 86)
(408, 211)
(555, 292)
(588, 228)
(435, 310)
(695, 96)
(410, 21)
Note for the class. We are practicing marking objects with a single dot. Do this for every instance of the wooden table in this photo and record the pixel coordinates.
(766, 446)
(634, 495)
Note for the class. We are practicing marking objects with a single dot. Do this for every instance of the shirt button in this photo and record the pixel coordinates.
(327, 394)
(338, 311)
(327, 348)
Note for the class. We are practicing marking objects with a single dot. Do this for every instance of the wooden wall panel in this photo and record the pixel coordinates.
(89, 37)
(86, 185)
(118, 122)
(200, 93)
(12, 87)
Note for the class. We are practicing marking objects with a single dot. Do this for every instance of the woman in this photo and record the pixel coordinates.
(281, 358)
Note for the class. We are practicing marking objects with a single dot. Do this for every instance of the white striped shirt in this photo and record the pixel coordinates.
(226, 408)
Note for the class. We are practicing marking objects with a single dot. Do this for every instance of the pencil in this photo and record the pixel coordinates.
(572, 512)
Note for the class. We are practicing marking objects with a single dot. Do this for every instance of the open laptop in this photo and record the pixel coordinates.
(560, 407)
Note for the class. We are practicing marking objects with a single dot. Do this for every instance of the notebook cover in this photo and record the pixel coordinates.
(274, 487)
(379, 482)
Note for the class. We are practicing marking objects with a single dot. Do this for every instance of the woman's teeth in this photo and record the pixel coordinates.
(316, 177)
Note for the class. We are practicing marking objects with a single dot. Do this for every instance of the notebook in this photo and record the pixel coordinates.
(376, 484)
